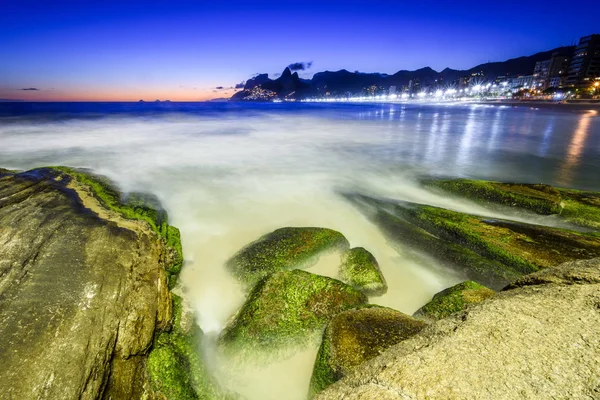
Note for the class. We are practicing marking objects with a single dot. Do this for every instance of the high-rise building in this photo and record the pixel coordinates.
(552, 72)
(541, 72)
(585, 65)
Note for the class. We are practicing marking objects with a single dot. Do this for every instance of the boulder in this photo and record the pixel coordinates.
(360, 270)
(453, 299)
(575, 206)
(286, 309)
(283, 249)
(539, 340)
(355, 336)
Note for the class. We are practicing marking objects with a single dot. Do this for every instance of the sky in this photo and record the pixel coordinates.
(84, 50)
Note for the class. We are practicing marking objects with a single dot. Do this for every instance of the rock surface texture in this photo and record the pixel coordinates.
(355, 336)
(453, 299)
(82, 291)
(537, 340)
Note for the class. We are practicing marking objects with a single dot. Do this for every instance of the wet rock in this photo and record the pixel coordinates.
(578, 207)
(355, 336)
(84, 290)
(453, 299)
(536, 341)
(492, 252)
(175, 367)
(360, 270)
(285, 310)
(283, 249)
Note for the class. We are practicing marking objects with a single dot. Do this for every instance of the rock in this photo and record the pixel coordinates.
(453, 299)
(570, 273)
(283, 249)
(360, 270)
(535, 341)
(175, 367)
(355, 336)
(578, 207)
(492, 252)
(285, 310)
(84, 277)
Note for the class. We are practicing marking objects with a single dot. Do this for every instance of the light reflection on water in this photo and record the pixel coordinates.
(228, 174)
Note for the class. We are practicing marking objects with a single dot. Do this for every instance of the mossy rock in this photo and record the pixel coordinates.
(287, 308)
(360, 270)
(492, 252)
(283, 249)
(135, 206)
(175, 366)
(355, 336)
(578, 207)
(453, 299)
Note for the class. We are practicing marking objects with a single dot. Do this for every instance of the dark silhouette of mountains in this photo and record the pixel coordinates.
(290, 86)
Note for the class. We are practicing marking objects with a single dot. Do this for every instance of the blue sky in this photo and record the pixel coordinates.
(126, 50)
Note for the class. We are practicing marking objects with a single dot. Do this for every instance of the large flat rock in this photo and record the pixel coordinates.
(538, 340)
(82, 292)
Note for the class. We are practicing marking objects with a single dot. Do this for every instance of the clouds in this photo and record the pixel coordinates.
(31, 88)
(240, 85)
(300, 66)
(219, 88)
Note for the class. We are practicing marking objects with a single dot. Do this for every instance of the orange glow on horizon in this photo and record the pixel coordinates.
(110, 95)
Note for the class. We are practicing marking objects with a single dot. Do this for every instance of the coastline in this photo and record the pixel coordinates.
(571, 105)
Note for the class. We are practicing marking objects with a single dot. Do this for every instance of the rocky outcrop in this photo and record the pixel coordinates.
(84, 286)
(538, 339)
(453, 299)
(575, 206)
(285, 310)
(355, 336)
(360, 269)
(283, 249)
(492, 252)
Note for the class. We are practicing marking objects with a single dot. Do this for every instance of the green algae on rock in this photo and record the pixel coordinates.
(283, 249)
(76, 275)
(174, 365)
(285, 309)
(360, 270)
(453, 299)
(355, 336)
(134, 206)
(492, 252)
(578, 207)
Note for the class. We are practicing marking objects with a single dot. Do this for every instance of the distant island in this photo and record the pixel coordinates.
(542, 73)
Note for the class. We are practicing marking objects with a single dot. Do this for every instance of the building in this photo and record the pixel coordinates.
(585, 65)
(552, 72)
(558, 81)
(392, 91)
(522, 82)
(541, 73)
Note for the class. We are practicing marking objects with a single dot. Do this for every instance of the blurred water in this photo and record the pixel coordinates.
(228, 173)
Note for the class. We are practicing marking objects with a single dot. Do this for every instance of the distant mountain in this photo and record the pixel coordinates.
(287, 86)
(290, 86)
